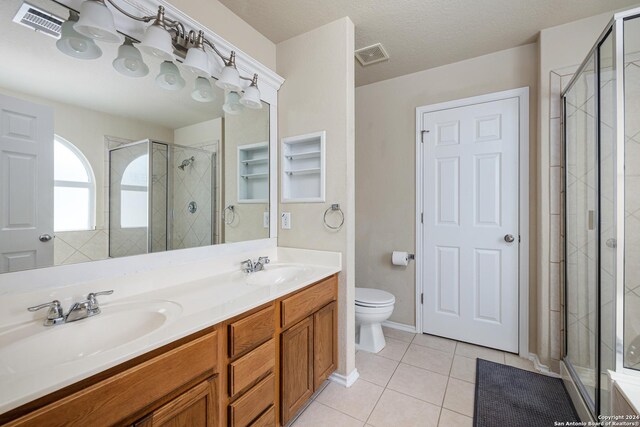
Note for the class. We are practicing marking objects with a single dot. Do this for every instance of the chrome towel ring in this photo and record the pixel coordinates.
(332, 208)
(225, 217)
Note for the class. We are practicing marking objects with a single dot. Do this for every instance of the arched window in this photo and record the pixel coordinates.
(74, 188)
(134, 199)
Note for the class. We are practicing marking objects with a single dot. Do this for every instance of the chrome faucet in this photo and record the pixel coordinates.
(248, 266)
(79, 310)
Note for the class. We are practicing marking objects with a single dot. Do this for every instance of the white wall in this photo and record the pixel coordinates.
(318, 94)
(385, 161)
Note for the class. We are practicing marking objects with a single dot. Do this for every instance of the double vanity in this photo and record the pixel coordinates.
(234, 347)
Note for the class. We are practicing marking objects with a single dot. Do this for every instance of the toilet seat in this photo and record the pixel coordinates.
(374, 298)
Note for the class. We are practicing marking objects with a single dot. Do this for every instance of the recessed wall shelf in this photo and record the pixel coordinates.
(253, 173)
(303, 168)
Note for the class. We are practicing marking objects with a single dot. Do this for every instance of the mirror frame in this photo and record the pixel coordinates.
(269, 84)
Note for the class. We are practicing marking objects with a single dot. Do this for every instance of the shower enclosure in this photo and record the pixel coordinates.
(601, 118)
(161, 197)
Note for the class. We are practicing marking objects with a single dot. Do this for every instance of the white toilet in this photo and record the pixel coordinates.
(373, 307)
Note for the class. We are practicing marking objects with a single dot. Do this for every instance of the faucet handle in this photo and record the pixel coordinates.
(264, 260)
(54, 315)
(93, 305)
(247, 265)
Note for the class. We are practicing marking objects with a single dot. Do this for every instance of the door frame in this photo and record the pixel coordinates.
(523, 205)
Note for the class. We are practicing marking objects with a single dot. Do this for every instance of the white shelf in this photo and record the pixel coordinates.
(253, 173)
(307, 155)
(303, 168)
(258, 161)
(303, 171)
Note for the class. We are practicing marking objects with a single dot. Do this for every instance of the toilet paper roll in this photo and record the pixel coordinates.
(400, 258)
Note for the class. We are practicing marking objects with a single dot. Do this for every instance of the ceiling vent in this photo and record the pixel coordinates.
(371, 54)
(39, 20)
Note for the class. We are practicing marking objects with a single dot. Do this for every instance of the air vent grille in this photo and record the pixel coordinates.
(39, 20)
(371, 54)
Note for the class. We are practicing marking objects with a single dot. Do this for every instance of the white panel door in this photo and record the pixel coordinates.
(26, 185)
(470, 213)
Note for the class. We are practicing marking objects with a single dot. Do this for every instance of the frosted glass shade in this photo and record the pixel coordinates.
(203, 92)
(197, 61)
(75, 44)
(232, 103)
(251, 98)
(157, 42)
(129, 61)
(169, 77)
(230, 79)
(96, 22)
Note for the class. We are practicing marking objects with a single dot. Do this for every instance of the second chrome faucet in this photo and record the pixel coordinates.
(249, 266)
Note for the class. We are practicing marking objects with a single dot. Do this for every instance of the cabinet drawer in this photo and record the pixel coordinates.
(247, 408)
(253, 365)
(121, 396)
(310, 300)
(245, 334)
(267, 419)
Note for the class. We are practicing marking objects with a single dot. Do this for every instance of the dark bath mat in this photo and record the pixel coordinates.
(508, 396)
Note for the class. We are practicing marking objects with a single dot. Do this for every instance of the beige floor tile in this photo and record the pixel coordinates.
(475, 351)
(374, 368)
(438, 343)
(419, 383)
(453, 419)
(459, 397)
(394, 349)
(319, 415)
(428, 358)
(398, 334)
(395, 409)
(356, 401)
(464, 368)
(519, 362)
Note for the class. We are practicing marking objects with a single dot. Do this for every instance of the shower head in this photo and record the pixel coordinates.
(186, 162)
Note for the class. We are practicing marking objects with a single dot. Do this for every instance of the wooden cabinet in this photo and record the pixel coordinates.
(309, 348)
(196, 407)
(325, 343)
(296, 356)
(257, 369)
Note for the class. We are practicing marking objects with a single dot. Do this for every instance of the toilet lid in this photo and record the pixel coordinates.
(373, 297)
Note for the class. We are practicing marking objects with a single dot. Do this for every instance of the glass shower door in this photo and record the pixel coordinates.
(581, 232)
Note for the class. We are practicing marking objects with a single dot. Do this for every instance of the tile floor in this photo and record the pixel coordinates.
(416, 380)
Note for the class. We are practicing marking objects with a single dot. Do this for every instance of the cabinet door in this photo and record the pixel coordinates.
(325, 343)
(197, 407)
(297, 367)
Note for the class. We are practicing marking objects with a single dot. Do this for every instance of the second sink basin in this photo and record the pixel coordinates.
(276, 274)
(36, 346)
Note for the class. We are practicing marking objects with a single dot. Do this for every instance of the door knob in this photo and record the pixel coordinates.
(509, 238)
(45, 237)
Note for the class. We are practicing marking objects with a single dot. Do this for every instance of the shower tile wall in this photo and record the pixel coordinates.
(71, 247)
(193, 184)
(159, 198)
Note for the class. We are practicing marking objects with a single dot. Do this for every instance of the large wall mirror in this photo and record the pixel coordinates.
(102, 156)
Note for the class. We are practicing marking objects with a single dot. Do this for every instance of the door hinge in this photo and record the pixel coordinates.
(421, 298)
(422, 132)
(519, 238)
(422, 218)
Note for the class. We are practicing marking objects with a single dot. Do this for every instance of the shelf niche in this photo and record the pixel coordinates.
(253, 173)
(303, 168)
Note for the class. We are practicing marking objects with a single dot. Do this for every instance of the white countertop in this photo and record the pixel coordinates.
(199, 295)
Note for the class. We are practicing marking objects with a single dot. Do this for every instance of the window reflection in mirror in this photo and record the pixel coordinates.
(128, 165)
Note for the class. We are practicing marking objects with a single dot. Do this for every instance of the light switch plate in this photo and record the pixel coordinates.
(286, 220)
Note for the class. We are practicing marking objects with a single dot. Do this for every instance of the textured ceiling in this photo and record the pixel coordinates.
(421, 34)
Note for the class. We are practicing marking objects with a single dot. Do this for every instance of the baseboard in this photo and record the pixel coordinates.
(345, 381)
(400, 326)
(543, 369)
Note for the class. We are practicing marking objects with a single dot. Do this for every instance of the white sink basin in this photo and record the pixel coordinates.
(277, 274)
(33, 346)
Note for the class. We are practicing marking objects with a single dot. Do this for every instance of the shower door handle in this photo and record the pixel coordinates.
(509, 238)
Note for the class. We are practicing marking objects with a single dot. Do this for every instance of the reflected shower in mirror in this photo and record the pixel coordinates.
(109, 152)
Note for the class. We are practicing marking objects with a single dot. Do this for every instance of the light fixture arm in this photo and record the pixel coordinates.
(228, 60)
(127, 14)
